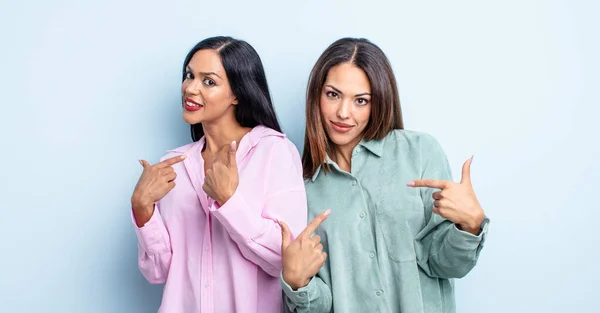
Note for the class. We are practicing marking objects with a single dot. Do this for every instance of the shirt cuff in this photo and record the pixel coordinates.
(153, 236)
(241, 221)
(463, 240)
(300, 296)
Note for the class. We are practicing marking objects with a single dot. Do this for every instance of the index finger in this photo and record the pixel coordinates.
(171, 161)
(314, 224)
(431, 183)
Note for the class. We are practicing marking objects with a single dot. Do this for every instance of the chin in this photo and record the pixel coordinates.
(192, 118)
(339, 139)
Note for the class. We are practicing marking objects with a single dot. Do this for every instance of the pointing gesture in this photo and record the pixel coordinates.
(154, 183)
(303, 257)
(221, 179)
(456, 202)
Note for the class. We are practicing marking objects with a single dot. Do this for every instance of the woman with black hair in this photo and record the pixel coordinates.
(207, 215)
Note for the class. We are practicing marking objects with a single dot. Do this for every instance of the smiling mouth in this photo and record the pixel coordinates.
(192, 105)
(341, 127)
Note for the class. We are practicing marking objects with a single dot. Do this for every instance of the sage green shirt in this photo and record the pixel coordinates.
(387, 251)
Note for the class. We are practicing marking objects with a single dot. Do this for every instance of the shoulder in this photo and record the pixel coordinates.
(278, 145)
(413, 147)
(412, 141)
(275, 145)
(411, 137)
(276, 155)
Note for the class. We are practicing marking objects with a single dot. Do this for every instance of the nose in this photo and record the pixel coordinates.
(343, 111)
(193, 87)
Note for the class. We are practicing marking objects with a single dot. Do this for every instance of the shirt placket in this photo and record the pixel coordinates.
(357, 162)
(207, 269)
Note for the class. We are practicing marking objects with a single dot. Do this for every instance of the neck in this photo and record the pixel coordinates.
(221, 133)
(342, 155)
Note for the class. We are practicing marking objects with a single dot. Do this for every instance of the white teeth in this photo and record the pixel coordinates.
(191, 104)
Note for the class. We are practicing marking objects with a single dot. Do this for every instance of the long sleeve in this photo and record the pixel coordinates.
(314, 297)
(154, 248)
(259, 235)
(442, 249)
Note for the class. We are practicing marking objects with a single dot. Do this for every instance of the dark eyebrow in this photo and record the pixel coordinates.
(335, 89)
(341, 93)
(203, 73)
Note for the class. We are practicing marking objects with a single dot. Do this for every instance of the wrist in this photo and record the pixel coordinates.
(294, 281)
(141, 204)
(473, 226)
(224, 198)
(142, 212)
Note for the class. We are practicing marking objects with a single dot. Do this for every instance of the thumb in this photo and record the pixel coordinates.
(144, 163)
(466, 172)
(231, 155)
(286, 237)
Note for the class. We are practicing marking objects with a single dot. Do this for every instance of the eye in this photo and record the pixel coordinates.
(331, 94)
(189, 75)
(208, 82)
(362, 101)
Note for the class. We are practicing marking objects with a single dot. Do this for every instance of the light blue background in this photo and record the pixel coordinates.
(88, 87)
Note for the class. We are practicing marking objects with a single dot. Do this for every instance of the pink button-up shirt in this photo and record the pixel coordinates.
(225, 259)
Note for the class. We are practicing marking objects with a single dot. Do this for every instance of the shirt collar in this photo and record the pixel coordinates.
(373, 146)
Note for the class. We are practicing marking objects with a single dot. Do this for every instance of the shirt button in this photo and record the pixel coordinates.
(354, 183)
(379, 293)
(371, 255)
(362, 215)
(303, 294)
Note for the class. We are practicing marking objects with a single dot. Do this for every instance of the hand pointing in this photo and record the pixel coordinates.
(154, 183)
(456, 202)
(221, 179)
(303, 257)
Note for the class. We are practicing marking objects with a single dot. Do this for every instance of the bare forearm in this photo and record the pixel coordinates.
(142, 212)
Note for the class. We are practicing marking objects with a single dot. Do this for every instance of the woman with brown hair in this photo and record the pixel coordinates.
(388, 245)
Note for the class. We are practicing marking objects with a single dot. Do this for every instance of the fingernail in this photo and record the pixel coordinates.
(327, 212)
(234, 144)
(412, 183)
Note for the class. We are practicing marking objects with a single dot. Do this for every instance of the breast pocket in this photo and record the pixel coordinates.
(400, 218)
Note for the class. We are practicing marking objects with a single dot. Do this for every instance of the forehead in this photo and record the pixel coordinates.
(206, 60)
(348, 77)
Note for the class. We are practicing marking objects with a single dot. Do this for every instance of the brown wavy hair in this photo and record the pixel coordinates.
(386, 114)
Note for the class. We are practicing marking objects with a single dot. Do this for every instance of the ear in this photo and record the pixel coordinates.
(235, 100)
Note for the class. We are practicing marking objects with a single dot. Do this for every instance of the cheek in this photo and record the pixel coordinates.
(216, 97)
(326, 107)
(364, 114)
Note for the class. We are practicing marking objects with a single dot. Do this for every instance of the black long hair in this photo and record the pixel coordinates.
(247, 79)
